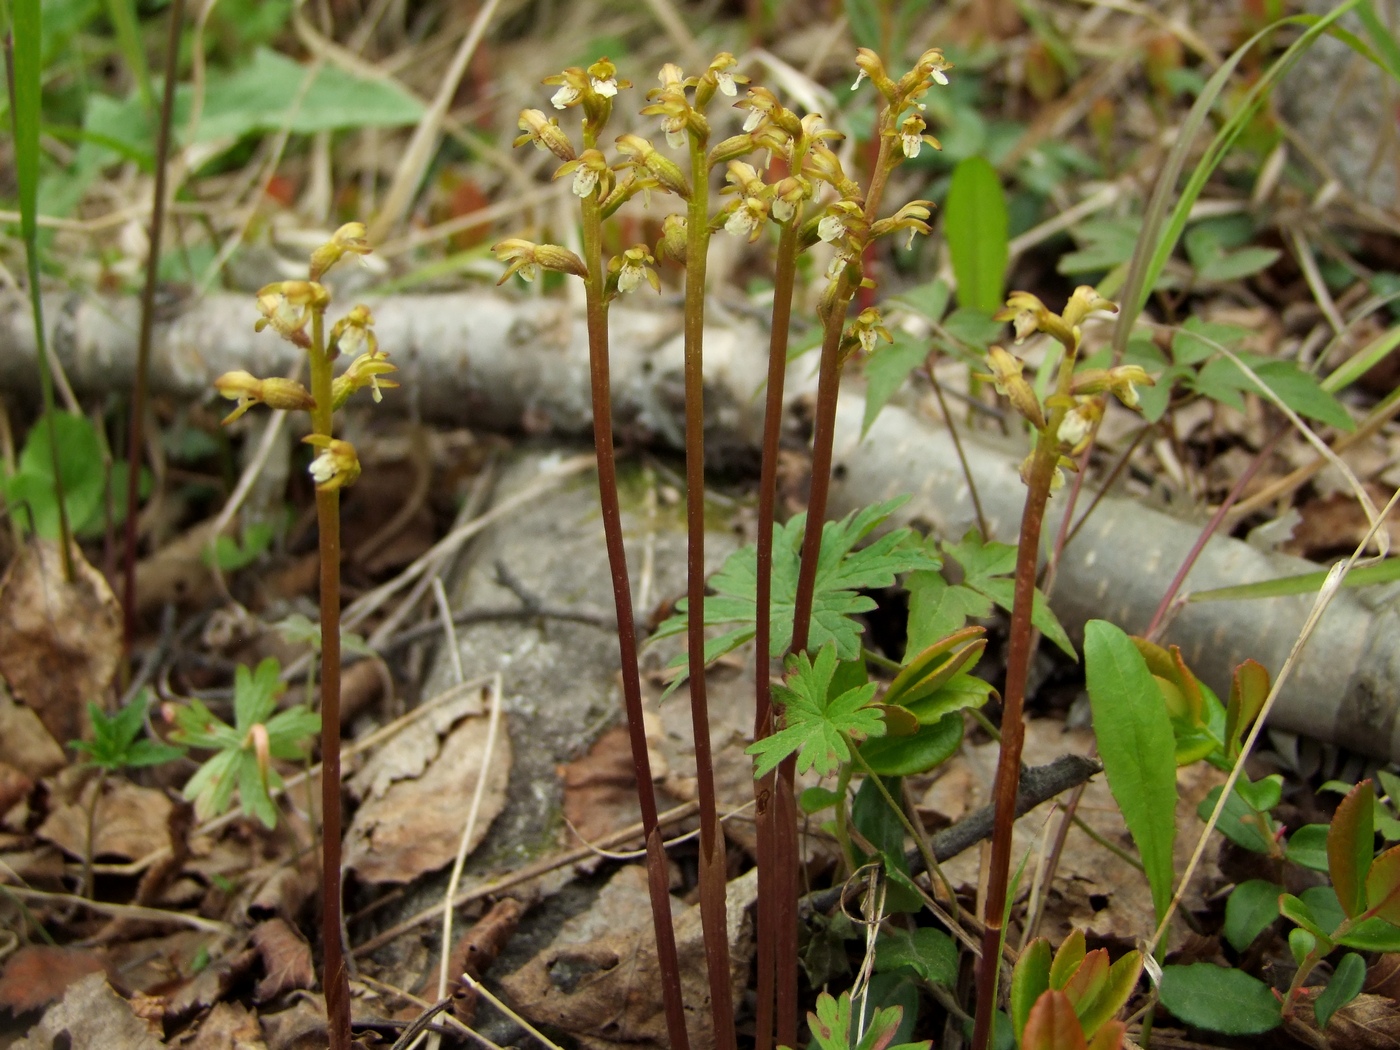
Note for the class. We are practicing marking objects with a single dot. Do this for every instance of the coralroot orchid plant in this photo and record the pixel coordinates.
(811, 200)
(296, 310)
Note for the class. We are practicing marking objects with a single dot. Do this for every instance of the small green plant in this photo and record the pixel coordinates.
(244, 751)
(833, 1027)
(117, 742)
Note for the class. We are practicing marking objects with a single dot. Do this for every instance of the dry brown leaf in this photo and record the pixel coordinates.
(131, 822)
(91, 1015)
(212, 983)
(412, 822)
(24, 742)
(302, 1027)
(286, 959)
(600, 789)
(59, 642)
(229, 1026)
(1368, 1022)
(605, 990)
(40, 973)
(177, 574)
(14, 785)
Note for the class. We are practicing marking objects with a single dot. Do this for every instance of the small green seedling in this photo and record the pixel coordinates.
(117, 743)
(245, 750)
(831, 1027)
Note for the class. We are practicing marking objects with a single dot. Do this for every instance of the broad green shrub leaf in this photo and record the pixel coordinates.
(903, 756)
(937, 665)
(1297, 910)
(1301, 944)
(1345, 985)
(1103, 244)
(263, 96)
(1251, 909)
(886, 370)
(816, 799)
(1123, 976)
(1222, 380)
(961, 693)
(1245, 820)
(1373, 935)
(1219, 999)
(938, 608)
(1138, 748)
(1052, 1024)
(929, 953)
(1307, 847)
(842, 572)
(816, 725)
(975, 225)
(1349, 846)
(1067, 960)
(896, 997)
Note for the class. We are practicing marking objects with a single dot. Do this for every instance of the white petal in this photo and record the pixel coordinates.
(859, 77)
(783, 210)
(831, 228)
(585, 179)
(911, 144)
(565, 97)
(675, 139)
(725, 82)
(606, 88)
(938, 77)
(740, 222)
(322, 468)
(753, 120)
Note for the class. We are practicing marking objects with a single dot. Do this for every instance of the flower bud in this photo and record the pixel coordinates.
(348, 240)
(643, 154)
(1005, 376)
(545, 133)
(248, 390)
(525, 258)
(672, 245)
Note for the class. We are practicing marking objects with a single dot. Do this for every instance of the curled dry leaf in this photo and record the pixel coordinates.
(478, 947)
(59, 641)
(418, 789)
(40, 973)
(90, 1015)
(286, 959)
(131, 822)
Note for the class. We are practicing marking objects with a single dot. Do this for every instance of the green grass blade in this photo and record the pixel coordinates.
(1387, 571)
(1385, 44)
(128, 28)
(1160, 231)
(1352, 369)
(23, 60)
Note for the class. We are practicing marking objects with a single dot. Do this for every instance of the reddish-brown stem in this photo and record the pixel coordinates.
(777, 971)
(1013, 728)
(713, 876)
(336, 978)
(148, 311)
(658, 880)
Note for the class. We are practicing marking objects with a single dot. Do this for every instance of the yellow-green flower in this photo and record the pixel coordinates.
(286, 307)
(1005, 376)
(348, 240)
(633, 267)
(337, 465)
(367, 370)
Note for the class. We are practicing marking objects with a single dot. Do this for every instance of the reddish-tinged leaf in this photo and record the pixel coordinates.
(40, 973)
(1383, 886)
(1349, 846)
(1088, 981)
(1122, 979)
(1248, 690)
(1053, 1025)
(1067, 959)
(1109, 1037)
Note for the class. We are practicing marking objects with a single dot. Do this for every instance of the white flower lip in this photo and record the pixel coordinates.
(322, 468)
(565, 97)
